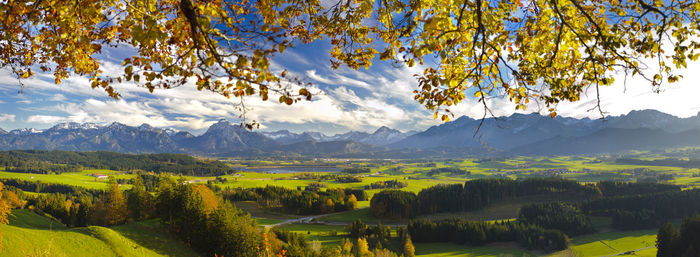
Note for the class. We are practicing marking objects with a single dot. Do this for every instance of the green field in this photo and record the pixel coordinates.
(447, 249)
(610, 243)
(81, 179)
(33, 233)
(29, 234)
(327, 235)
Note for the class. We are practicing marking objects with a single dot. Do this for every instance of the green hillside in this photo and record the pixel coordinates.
(29, 234)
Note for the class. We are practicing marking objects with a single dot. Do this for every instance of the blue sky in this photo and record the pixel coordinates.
(361, 100)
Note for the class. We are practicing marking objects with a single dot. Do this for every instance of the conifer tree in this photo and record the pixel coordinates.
(667, 241)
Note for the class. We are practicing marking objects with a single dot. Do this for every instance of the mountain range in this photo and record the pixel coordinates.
(518, 134)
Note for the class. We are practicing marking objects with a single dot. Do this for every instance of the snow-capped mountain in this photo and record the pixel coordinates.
(73, 126)
(382, 136)
(516, 134)
(24, 131)
(2, 131)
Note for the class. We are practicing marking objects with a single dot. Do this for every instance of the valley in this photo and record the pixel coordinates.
(329, 229)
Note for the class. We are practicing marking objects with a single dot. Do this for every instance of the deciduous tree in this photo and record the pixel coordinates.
(547, 50)
(111, 209)
(4, 211)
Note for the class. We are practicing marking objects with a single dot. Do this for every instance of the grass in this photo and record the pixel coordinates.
(264, 221)
(31, 234)
(35, 233)
(328, 235)
(81, 179)
(610, 243)
(449, 249)
(350, 216)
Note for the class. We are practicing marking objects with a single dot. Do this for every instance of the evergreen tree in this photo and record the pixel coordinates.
(667, 241)
(139, 201)
(111, 209)
(232, 233)
(690, 236)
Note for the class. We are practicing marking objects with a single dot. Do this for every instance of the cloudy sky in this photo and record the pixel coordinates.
(351, 100)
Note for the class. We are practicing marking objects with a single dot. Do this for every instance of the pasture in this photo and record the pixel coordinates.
(29, 234)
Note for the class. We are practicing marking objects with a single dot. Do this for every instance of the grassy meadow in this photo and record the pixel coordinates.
(31, 234)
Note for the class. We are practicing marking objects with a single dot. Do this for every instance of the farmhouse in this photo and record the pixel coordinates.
(98, 175)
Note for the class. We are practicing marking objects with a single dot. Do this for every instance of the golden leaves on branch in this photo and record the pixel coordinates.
(544, 50)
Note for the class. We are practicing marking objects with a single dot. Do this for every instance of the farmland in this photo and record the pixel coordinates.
(143, 238)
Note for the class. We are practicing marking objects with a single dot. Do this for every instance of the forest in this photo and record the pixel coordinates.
(50, 162)
(479, 193)
(299, 202)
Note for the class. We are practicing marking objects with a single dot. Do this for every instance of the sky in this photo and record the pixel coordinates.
(361, 100)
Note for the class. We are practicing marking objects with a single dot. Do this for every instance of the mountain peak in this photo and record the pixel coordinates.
(73, 126)
(385, 129)
(223, 121)
(24, 131)
(116, 125)
(145, 127)
(2, 131)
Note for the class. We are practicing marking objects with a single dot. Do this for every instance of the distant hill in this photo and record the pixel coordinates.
(520, 134)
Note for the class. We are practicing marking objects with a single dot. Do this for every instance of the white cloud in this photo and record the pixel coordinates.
(312, 74)
(58, 98)
(7, 117)
(45, 119)
(359, 100)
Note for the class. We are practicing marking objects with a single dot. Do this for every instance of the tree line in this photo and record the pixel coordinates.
(560, 216)
(300, 202)
(645, 210)
(37, 161)
(479, 193)
(451, 170)
(478, 233)
(672, 242)
(44, 187)
(395, 184)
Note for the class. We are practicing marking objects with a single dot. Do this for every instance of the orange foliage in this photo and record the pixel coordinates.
(211, 202)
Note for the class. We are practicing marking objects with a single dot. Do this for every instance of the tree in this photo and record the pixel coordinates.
(524, 50)
(4, 211)
(328, 206)
(667, 241)
(209, 199)
(139, 201)
(690, 236)
(351, 203)
(11, 199)
(408, 249)
(362, 248)
(111, 209)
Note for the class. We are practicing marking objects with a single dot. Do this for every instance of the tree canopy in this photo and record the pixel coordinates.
(545, 50)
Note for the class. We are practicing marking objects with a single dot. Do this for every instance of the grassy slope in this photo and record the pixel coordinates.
(610, 243)
(29, 233)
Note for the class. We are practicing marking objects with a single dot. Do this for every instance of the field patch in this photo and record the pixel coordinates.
(449, 249)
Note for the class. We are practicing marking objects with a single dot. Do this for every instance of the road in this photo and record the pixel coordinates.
(309, 219)
(631, 252)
